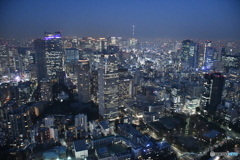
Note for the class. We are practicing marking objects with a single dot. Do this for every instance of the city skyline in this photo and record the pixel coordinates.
(119, 79)
(152, 19)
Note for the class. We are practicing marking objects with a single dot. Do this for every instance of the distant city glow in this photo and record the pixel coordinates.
(53, 36)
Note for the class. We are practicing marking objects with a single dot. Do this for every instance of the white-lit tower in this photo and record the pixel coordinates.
(108, 87)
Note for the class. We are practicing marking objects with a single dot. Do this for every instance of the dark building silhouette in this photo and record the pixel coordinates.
(39, 47)
(216, 81)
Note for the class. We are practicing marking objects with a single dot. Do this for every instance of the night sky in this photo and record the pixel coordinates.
(180, 19)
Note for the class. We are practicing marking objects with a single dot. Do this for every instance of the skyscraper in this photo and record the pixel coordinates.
(84, 81)
(54, 53)
(39, 47)
(4, 59)
(207, 44)
(71, 55)
(209, 55)
(216, 81)
(189, 55)
(108, 86)
(19, 124)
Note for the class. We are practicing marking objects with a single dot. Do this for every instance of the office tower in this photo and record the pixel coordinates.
(125, 84)
(189, 55)
(81, 121)
(209, 57)
(229, 49)
(19, 124)
(46, 90)
(54, 53)
(133, 43)
(71, 55)
(221, 52)
(216, 81)
(208, 43)
(185, 50)
(108, 86)
(4, 59)
(112, 40)
(102, 44)
(39, 47)
(74, 42)
(94, 85)
(83, 81)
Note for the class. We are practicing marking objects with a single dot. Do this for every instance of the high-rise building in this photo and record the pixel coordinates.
(4, 59)
(94, 85)
(207, 44)
(54, 53)
(108, 86)
(39, 47)
(189, 55)
(71, 55)
(46, 90)
(216, 82)
(209, 57)
(19, 124)
(125, 84)
(84, 81)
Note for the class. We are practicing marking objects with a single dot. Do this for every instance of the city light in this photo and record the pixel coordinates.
(141, 91)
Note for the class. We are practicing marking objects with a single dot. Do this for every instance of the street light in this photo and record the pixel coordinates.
(69, 158)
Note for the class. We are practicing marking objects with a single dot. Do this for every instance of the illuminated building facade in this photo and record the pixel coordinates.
(84, 81)
(209, 57)
(54, 53)
(46, 90)
(71, 55)
(125, 84)
(19, 124)
(4, 58)
(189, 55)
(108, 87)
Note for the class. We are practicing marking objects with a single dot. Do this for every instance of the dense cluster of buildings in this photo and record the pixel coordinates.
(130, 82)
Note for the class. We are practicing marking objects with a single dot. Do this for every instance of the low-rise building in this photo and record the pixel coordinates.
(80, 149)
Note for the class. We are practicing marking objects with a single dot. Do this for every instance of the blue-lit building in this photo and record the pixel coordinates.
(209, 57)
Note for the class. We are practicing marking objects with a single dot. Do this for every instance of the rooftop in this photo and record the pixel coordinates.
(104, 124)
(103, 152)
(117, 148)
(80, 145)
(212, 134)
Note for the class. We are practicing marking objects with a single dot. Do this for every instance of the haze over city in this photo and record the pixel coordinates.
(205, 19)
(119, 80)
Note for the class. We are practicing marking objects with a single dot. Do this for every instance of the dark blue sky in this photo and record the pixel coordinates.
(196, 19)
